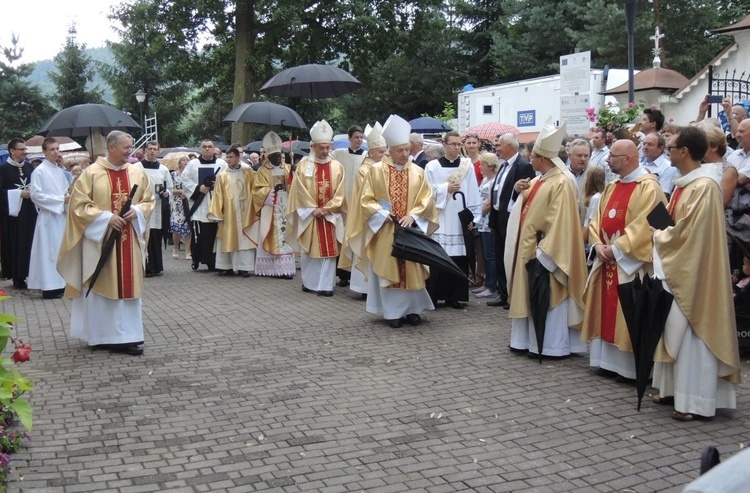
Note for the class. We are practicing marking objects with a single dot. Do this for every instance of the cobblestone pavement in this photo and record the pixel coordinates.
(250, 384)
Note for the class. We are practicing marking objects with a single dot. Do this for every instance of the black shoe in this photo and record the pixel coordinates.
(287, 277)
(601, 372)
(343, 283)
(621, 379)
(20, 285)
(226, 272)
(243, 273)
(325, 293)
(363, 296)
(413, 319)
(454, 304)
(52, 294)
(129, 349)
(518, 351)
(305, 290)
(394, 323)
(498, 302)
(158, 274)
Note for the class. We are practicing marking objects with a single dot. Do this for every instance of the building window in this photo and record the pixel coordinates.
(487, 109)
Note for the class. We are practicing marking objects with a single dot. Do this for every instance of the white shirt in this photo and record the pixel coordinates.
(663, 169)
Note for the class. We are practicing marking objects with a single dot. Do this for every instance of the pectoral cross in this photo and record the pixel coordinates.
(657, 50)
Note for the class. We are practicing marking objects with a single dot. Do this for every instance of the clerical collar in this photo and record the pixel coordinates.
(633, 175)
(322, 160)
(234, 169)
(15, 163)
(399, 167)
(115, 167)
(207, 161)
(449, 164)
(358, 152)
(149, 165)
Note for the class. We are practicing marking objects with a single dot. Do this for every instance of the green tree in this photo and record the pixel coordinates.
(23, 107)
(75, 72)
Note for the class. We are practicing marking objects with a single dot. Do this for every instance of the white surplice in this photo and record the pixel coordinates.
(48, 189)
(159, 176)
(450, 233)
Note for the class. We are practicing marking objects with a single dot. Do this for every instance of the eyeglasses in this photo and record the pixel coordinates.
(669, 148)
(617, 155)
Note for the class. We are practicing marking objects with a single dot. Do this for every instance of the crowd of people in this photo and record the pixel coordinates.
(547, 231)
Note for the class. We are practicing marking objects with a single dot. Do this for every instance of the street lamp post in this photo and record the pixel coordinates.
(630, 22)
(140, 96)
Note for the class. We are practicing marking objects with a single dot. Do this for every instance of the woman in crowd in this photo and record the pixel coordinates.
(180, 225)
(488, 164)
(593, 186)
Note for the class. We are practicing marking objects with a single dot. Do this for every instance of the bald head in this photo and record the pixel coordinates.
(623, 157)
(743, 134)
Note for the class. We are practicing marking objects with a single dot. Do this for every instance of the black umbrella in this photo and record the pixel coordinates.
(413, 245)
(539, 294)
(166, 213)
(466, 217)
(645, 306)
(311, 81)
(84, 120)
(178, 149)
(428, 125)
(109, 244)
(266, 113)
(253, 146)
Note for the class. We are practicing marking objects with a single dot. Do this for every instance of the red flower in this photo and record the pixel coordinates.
(2, 292)
(22, 353)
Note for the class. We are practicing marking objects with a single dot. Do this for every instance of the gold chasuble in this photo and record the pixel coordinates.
(101, 187)
(549, 206)
(268, 224)
(317, 185)
(694, 258)
(353, 239)
(621, 221)
(408, 192)
(228, 187)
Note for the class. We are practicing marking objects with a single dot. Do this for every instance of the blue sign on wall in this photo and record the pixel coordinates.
(526, 118)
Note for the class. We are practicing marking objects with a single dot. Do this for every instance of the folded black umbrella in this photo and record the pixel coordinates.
(466, 217)
(645, 305)
(539, 294)
(413, 245)
(109, 243)
(166, 212)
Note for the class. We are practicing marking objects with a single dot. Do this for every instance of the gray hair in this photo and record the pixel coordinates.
(416, 139)
(434, 151)
(580, 142)
(511, 139)
(115, 136)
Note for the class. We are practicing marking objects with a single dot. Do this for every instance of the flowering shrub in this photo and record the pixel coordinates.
(12, 387)
(612, 118)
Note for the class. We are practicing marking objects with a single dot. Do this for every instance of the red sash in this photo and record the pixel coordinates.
(326, 231)
(613, 221)
(398, 192)
(120, 186)
(524, 210)
(672, 208)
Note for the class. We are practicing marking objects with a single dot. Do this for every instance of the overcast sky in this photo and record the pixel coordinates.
(42, 25)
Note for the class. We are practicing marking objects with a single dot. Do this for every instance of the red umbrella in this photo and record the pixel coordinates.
(489, 130)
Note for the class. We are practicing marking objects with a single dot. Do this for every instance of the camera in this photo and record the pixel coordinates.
(714, 99)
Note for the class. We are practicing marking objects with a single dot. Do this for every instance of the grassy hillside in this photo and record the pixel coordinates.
(40, 78)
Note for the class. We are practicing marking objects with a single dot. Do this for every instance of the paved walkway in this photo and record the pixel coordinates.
(250, 384)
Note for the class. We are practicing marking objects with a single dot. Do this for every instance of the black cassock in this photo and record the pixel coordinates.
(17, 233)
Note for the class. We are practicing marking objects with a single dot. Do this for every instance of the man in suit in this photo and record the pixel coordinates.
(415, 149)
(513, 168)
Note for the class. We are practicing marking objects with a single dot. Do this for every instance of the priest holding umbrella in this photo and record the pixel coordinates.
(545, 256)
(396, 194)
(111, 315)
